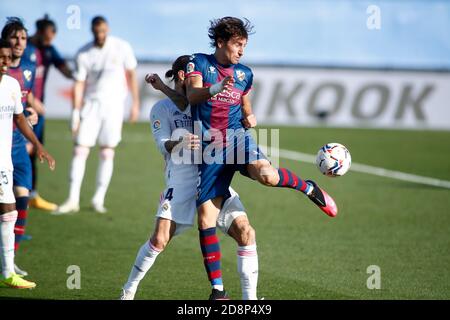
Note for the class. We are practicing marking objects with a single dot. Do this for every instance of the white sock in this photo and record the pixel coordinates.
(7, 222)
(144, 261)
(104, 174)
(80, 155)
(247, 263)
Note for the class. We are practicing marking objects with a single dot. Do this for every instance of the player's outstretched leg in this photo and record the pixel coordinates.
(284, 178)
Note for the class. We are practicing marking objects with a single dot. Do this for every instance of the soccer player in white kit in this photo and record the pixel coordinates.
(102, 69)
(171, 126)
(11, 109)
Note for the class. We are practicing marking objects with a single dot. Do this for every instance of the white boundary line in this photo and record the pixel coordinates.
(358, 167)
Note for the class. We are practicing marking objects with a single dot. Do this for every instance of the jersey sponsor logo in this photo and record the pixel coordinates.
(190, 67)
(27, 74)
(240, 75)
(231, 97)
(156, 125)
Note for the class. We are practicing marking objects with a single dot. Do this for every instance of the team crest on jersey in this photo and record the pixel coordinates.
(212, 69)
(240, 75)
(27, 74)
(190, 67)
(156, 125)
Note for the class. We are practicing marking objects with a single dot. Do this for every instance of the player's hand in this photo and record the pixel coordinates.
(134, 113)
(190, 141)
(75, 122)
(226, 84)
(32, 117)
(249, 121)
(42, 155)
(155, 81)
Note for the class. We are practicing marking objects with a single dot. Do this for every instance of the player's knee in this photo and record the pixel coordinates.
(81, 151)
(247, 234)
(268, 176)
(107, 153)
(159, 241)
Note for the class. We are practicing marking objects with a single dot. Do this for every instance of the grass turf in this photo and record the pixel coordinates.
(303, 254)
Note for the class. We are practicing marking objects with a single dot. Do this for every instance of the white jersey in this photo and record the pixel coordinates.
(169, 123)
(177, 201)
(103, 69)
(10, 103)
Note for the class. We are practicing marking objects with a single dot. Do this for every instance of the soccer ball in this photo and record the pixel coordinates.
(333, 160)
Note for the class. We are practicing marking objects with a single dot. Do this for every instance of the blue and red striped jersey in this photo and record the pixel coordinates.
(222, 111)
(24, 74)
(43, 57)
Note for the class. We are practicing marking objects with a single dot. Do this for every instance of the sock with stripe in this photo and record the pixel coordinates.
(22, 215)
(288, 179)
(247, 264)
(145, 258)
(7, 221)
(209, 243)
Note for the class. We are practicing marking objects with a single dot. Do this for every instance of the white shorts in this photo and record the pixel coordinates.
(6, 186)
(179, 205)
(101, 121)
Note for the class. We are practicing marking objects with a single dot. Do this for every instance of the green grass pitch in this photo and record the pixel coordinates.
(402, 227)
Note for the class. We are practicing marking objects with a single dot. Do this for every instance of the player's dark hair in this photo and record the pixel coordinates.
(4, 44)
(98, 20)
(44, 23)
(179, 64)
(227, 28)
(13, 24)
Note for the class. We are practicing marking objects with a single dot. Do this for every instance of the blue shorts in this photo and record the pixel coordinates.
(215, 178)
(22, 167)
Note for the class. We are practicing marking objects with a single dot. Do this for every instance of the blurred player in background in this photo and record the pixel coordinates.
(218, 89)
(11, 109)
(23, 71)
(41, 52)
(103, 67)
(171, 125)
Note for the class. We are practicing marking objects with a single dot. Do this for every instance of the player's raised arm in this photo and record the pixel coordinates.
(22, 124)
(179, 99)
(196, 93)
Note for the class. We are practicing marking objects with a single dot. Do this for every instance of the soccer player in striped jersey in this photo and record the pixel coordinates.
(218, 88)
(171, 126)
(11, 109)
(43, 54)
